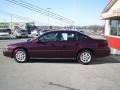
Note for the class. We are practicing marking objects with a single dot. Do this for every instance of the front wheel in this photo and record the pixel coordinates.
(20, 55)
(85, 57)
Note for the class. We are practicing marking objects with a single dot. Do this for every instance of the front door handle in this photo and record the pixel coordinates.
(52, 44)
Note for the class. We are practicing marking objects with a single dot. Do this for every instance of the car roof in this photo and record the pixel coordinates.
(62, 31)
(67, 31)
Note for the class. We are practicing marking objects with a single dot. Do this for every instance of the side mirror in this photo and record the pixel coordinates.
(37, 41)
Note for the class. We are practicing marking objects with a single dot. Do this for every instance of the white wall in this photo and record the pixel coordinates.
(107, 28)
(115, 6)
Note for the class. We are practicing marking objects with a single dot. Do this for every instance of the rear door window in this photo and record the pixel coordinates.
(66, 36)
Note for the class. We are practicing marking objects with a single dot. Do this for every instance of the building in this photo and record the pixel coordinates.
(111, 15)
(13, 25)
(4, 25)
(16, 25)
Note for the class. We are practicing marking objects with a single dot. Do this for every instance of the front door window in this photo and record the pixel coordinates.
(49, 37)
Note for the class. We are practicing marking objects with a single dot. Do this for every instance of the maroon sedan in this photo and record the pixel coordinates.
(61, 44)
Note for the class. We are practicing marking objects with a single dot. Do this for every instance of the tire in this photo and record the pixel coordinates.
(85, 57)
(20, 55)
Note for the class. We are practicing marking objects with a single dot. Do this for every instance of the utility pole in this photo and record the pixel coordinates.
(48, 17)
(11, 22)
(75, 11)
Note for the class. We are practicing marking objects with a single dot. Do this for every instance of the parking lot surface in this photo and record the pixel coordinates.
(102, 74)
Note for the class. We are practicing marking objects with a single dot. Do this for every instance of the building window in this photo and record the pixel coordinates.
(119, 28)
(115, 27)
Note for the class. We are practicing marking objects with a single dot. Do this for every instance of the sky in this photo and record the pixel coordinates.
(82, 12)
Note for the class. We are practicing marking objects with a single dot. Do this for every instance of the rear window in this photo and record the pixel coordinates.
(80, 35)
(23, 31)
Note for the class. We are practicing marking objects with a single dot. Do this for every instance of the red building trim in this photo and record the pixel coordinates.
(113, 42)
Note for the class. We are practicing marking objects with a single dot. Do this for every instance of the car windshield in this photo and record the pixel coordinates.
(35, 37)
(30, 39)
(23, 31)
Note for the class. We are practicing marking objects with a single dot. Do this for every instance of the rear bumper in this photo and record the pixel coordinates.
(102, 52)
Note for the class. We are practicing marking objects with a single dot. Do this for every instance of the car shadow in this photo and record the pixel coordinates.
(105, 60)
(53, 61)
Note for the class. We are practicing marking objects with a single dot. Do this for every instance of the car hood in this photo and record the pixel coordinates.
(20, 43)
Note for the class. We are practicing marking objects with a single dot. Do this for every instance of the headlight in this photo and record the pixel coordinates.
(5, 48)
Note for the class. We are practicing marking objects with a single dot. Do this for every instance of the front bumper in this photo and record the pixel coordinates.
(8, 53)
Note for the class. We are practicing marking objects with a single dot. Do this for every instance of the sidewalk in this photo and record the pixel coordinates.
(117, 57)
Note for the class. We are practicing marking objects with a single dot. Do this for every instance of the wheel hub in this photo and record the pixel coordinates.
(20, 56)
(85, 57)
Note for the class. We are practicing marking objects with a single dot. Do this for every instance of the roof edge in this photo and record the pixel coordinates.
(109, 5)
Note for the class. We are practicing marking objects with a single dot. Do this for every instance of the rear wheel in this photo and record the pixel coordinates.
(85, 57)
(20, 55)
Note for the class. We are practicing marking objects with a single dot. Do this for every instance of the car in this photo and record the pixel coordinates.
(34, 33)
(19, 33)
(62, 44)
(4, 33)
(81, 31)
(43, 31)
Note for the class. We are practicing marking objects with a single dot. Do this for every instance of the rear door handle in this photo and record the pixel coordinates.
(52, 44)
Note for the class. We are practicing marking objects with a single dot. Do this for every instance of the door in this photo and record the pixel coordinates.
(67, 44)
(45, 48)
